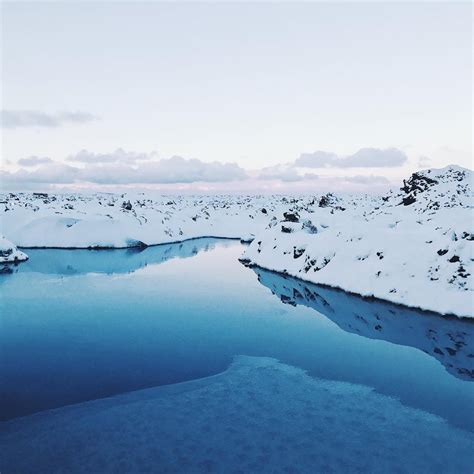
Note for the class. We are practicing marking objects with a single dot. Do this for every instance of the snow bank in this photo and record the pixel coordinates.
(413, 247)
(9, 253)
(258, 416)
(118, 221)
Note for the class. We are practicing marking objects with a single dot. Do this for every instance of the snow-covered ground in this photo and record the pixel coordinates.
(9, 253)
(412, 247)
(109, 220)
(258, 416)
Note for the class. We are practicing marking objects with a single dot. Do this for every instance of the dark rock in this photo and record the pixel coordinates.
(408, 200)
(327, 200)
(291, 216)
(298, 252)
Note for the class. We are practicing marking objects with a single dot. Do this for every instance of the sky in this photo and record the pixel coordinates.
(233, 96)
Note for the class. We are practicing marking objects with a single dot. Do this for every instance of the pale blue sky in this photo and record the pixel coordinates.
(255, 84)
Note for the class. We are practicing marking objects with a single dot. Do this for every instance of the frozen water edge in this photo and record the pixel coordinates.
(258, 416)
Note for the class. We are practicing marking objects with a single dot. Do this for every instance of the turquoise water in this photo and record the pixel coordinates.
(81, 325)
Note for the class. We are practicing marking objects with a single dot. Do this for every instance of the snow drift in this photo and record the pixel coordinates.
(414, 247)
(9, 253)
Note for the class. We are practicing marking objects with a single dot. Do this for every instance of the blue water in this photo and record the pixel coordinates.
(80, 325)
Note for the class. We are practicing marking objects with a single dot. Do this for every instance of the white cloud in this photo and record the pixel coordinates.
(51, 173)
(364, 158)
(424, 162)
(286, 173)
(318, 159)
(34, 118)
(127, 168)
(172, 170)
(34, 161)
(117, 156)
(361, 179)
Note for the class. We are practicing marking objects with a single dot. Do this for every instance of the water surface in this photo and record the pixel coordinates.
(81, 325)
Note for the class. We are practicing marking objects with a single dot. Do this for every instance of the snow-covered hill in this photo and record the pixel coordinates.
(414, 247)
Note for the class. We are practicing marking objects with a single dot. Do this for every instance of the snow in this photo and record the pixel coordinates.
(258, 416)
(413, 246)
(9, 253)
(117, 221)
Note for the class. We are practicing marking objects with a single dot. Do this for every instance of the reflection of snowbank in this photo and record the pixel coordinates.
(258, 416)
(80, 261)
(9, 253)
(449, 340)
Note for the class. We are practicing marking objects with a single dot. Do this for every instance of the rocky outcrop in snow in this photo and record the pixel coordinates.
(9, 253)
(413, 248)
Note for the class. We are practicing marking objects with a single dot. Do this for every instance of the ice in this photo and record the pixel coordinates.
(258, 416)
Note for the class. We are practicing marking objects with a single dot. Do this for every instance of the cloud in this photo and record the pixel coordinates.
(318, 159)
(284, 173)
(180, 170)
(361, 179)
(167, 171)
(424, 162)
(129, 168)
(34, 161)
(51, 173)
(117, 156)
(364, 158)
(34, 118)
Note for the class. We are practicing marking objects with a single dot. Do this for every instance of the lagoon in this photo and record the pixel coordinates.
(82, 325)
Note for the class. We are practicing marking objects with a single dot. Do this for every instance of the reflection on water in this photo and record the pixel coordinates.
(450, 340)
(81, 261)
(81, 325)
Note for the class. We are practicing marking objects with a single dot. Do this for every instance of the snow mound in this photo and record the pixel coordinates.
(258, 416)
(433, 189)
(9, 253)
(412, 247)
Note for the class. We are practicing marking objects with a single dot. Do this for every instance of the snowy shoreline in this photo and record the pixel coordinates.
(414, 248)
(367, 298)
(98, 248)
(411, 247)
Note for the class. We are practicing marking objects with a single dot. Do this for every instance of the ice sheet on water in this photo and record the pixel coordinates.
(258, 416)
